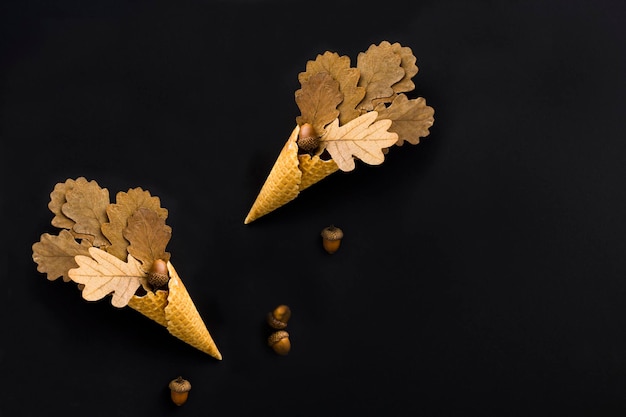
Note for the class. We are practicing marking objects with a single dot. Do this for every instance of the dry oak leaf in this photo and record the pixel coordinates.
(347, 77)
(407, 62)
(127, 203)
(54, 255)
(148, 236)
(103, 274)
(57, 199)
(380, 68)
(318, 99)
(363, 138)
(411, 119)
(86, 204)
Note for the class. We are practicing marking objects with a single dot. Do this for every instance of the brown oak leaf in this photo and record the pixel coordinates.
(407, 62)
(148, 236)
(126, 204)
(347, 77)
(86, 204)
(54, 255)
(363, 138)
(102, 274)
(57, 199)
(411, 119)
(318, 99)
(380, 68)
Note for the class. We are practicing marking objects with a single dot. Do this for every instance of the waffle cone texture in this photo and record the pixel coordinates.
(290, 174)
(174, 309)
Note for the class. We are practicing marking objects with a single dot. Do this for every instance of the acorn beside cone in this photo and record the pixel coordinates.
(179, 390)
(331, 238)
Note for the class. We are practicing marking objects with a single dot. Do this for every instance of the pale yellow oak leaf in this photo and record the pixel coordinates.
(363, 138)
(103, 274)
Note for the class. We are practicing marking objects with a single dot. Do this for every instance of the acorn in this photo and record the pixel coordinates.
(331, 238)
(179, 389)
(279, 341)
(278, 318)
(308, 140)
(158, 274)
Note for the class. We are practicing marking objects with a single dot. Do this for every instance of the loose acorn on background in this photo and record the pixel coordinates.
(179, 390)
(278, 318)
(158, 274)
(331, 238)
(279, 341)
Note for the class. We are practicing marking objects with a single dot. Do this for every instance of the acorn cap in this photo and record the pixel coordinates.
(308, 143)
(276, 337)
(332, 233)
(158, 274)
(274, 322)
(180, 385)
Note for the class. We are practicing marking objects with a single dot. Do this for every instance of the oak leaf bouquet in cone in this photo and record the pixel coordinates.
(118, 250)
(347, 114)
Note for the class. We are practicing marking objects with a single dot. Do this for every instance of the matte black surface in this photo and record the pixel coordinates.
(482, 271)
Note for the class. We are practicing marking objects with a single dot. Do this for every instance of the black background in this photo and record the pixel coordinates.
(482, 271)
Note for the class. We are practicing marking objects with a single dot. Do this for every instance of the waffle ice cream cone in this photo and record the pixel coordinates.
(290, 174)
(151, 305)
(175, 310)
(315, 169)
